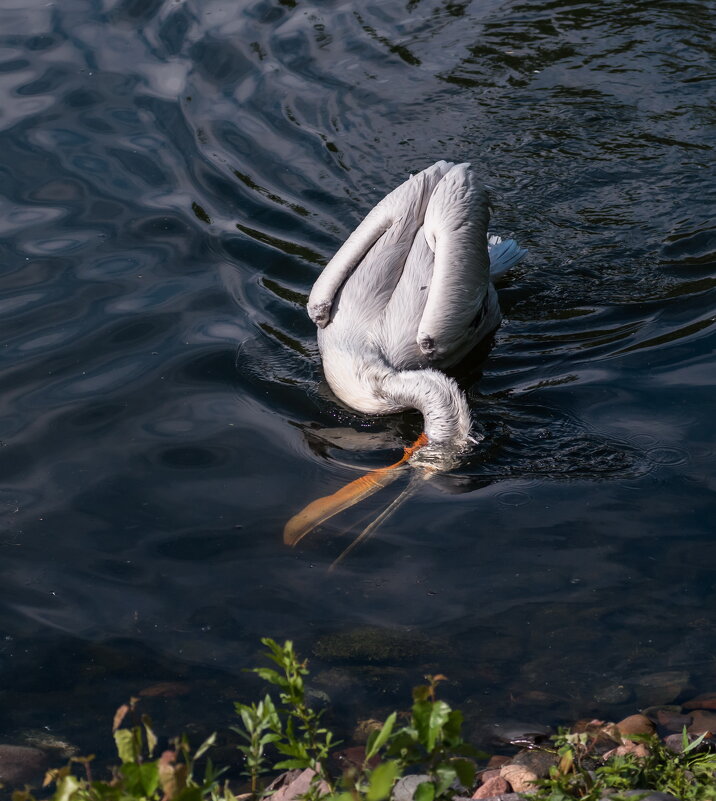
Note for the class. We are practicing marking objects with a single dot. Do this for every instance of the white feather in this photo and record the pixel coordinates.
(410, 292)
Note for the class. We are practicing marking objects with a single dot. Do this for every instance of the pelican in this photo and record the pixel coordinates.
(407, 295)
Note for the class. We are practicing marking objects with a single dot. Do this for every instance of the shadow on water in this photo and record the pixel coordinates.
(175, 175)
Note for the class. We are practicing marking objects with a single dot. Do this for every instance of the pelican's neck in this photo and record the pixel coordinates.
(442, 403)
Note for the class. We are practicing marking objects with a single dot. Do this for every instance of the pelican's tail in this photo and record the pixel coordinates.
(504, 253)
(416, 480)
(325, 508)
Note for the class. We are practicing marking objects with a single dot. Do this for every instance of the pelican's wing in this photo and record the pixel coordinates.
(456, 229)
(377, 222)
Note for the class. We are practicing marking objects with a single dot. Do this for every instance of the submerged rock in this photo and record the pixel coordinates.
(662, 687)
(704, 701)
(613, 694)
(702, 720)
(373, 644)
(21, 764)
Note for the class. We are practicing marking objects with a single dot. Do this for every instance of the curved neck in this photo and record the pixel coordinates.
(442, 403)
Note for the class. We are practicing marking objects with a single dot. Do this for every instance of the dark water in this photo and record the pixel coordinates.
(174, 175)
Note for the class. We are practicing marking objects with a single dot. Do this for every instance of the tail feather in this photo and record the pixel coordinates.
(504, 253)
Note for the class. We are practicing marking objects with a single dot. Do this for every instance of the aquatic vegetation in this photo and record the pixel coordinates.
(427, 750)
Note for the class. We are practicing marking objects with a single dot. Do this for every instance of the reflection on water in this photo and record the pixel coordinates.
(174, 177)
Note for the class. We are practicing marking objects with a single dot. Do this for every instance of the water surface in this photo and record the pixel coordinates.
(175, 175)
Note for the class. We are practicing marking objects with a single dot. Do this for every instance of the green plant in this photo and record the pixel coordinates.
(139, 777)
(291, 734)
(582, 774)
(261, 726)
(432, 739)
(294, 728)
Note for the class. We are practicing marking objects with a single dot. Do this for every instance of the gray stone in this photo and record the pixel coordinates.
(404, 789)
(21, 764)
(539, 762)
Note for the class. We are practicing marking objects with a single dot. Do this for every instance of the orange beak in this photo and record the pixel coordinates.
(323, 509)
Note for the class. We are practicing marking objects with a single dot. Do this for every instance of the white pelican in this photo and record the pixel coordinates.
(408, 293)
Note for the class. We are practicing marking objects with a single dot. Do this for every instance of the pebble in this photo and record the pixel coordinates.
(21, 764)
(521, 779)
(635, 724)
(674, 742)
(495, 785)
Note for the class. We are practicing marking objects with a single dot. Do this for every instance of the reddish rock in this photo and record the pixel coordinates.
(705, 701)
(702, 720)
(638, 750)
(296, 788)
(488, 774)
(635, 724)
(496, 785)
(21, 765)
(521, 778)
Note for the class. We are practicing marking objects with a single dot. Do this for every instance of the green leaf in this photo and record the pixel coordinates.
(465, 770)
(424, 792)
(140, 780)
(150, 735)
(446, 775)
(190, 794)
(381, 781)
(66, 788)
(290, 764)
(205, 746)
(421, 693)
(269, 738)
(453, 725)
(126, 745)
(272, 676)
(378, 739)
(694, 744)
(430, 717)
